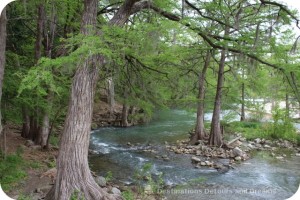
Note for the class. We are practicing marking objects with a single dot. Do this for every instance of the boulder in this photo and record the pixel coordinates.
(101, 181)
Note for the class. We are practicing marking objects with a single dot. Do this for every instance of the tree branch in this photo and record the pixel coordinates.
(149, 5)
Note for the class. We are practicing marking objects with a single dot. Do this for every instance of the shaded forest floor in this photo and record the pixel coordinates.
(36, 163)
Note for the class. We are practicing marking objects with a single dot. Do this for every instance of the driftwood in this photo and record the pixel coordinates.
(232, 141)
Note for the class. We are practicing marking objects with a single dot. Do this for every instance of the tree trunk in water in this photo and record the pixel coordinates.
(199, 129)
(215, 138)
(2, 56)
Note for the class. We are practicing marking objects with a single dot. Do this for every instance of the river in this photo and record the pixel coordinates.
(261, 177)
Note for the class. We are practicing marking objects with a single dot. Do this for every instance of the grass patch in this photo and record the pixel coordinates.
(270, 131)
(54, 140)
(11, 171)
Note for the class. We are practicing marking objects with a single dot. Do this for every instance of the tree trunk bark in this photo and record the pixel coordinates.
(26, 124)
(2, 56)
(124, 122)
(111, 97)
(73, 173)
(199, 129)
(243, 117)
(215, 138)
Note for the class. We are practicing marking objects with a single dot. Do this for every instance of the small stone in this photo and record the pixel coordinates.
(38, 190)
(195, 159)
(198, 153)
(36, 147)
(279, 157)
(101, 181)
(115, 190)
(208, 163)
(129, 144)
(148, 189)
(166, 159)
(257, 140)
(297, 154)
(267, 146)
(202, 163)
(238, 158)
(29, 143)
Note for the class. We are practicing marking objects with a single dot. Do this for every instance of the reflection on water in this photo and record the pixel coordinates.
(277, 179)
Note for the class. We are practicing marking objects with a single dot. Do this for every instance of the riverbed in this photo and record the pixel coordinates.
(122, 152)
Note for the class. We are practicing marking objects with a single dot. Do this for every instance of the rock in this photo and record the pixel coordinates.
(297, 154)
(94, 126)
(267, 146)
(166, 159)
(198, 153)
(250, 146)
(279, 157)
(195, 159)
(166, 143)
(101, 181)
(36, 147)
(208, 163)
(238, 158)
(257, 140)
(29, 143)
(147, 189)
(129, 144)
(236, 144)
(38, 190)
(115, 190)
(202, 163)
(237, 152)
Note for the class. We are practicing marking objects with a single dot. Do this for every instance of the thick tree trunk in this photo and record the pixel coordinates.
(73, 174)
(215, 138)
(26, 124)
(111, 96)
(199, 129)
(2, 56)
(124, 122)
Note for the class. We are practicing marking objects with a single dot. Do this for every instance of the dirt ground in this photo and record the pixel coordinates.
(38, 181)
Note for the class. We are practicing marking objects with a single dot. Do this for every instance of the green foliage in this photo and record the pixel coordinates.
(128, 195)
(109, 176)
(24, 197)
(144, 174)
(76, 195)
(282, 126)
(54, 140)
(11, 171)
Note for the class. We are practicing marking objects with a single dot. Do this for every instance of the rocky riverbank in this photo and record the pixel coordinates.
(233, 152)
